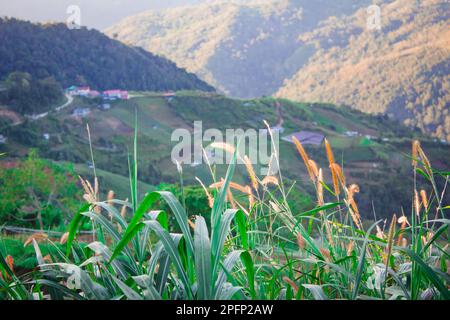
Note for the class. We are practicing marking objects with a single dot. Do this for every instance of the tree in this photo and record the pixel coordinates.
(35, 190)
(28, 95)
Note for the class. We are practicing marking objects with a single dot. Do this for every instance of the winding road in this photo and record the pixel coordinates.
(45, 114)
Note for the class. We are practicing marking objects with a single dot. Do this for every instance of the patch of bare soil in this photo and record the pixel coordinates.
(110, 123)
(11, 115)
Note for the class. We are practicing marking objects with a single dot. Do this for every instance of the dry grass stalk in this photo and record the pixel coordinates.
(238, 187)
(232, 185)
(291, 283)
(320, 200)
(339, 173)
(314, 168)
(224, 146)
(417, 204)
(355, 211)
(334, 175)
(217, 185)
(326, 254)
(305, 158)
(275, 207)
(351, 204)
(337, 190)
(110, 197)
(403, 221)
(91, 194)
(328, 231)
(10, 262)
(415, 152)
(109, 200)
(354, 188)
(123, 211)
(380, 233)
(39, 237)
(191, 224)
(251, 199)
(423, 195)
(86, 186)
(424, 240)
(208, 195)
(270, 180)
(64, 238)
(301, 241)
(251, 173)
(350, 248)
(329, 152)
(390, 239)
(425, 160)
(231, 198)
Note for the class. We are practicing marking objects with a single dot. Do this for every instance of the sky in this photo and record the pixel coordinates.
(98, 14)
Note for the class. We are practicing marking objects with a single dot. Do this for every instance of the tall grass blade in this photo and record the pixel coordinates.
(202, 248)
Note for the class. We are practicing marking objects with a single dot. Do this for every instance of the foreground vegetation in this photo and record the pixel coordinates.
(249, 245)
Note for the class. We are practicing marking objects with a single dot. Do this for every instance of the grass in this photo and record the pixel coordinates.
(251, 246)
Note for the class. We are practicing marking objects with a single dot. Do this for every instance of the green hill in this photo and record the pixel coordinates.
(373, 149)
(86, 57)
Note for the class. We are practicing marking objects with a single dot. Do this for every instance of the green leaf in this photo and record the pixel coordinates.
(172, 251)
(321, 208)
(242, 228)
(180, 215)
(228, 264)
(144, 206)
(145, 282)
(202, 247)
(428, 272)
(247, 260)
(219, 237)
(436, 235)
(361, 261)
(219, 201)
(126, 238)
(422, 173)
(127, 291)
(74, 225)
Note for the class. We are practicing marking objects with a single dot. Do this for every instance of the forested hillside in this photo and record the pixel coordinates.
(27, 95)
(86, 57)
(319, 51)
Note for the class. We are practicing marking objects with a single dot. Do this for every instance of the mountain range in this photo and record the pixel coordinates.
(316, 51)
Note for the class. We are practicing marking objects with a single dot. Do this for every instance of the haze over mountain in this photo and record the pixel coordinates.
(313, 51)
(97, 14)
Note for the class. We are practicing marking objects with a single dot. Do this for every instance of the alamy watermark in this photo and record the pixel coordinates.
(74, 19)
(374, 18)
(214, 146)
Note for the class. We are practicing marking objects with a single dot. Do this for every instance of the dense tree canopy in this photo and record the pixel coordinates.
(28, 95)
(86, 57)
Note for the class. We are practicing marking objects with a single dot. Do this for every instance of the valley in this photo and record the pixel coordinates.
(367, 146)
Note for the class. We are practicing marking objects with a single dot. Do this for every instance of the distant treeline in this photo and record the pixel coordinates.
(86, 57)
